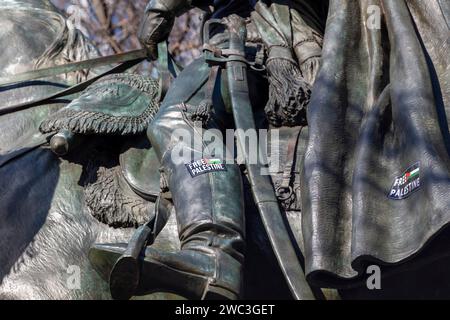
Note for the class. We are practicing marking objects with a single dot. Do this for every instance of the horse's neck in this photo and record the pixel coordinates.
(34, 4)
(32, 32)
(39, 36)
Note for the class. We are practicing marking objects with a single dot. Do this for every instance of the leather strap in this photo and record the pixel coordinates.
(73, 66)
(69, 91)
(166, 63)
(261, 185)
(209, 89)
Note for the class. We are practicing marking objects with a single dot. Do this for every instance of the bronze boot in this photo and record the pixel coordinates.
(210, 218)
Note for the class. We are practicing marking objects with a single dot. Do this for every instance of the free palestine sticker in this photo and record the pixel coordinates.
(198, 167)
(406, 184)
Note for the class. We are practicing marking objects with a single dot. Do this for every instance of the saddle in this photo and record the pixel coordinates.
(140, 168)
(118, 105)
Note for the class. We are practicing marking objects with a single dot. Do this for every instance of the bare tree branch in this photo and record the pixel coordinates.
(112, 26)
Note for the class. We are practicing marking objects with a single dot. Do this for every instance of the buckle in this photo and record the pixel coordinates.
(218, 56)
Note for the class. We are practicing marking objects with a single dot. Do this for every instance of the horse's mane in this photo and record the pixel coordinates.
(32, 4)
(68, 45)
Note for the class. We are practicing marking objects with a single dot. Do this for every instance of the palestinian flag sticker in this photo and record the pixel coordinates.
(198, 167)
(406, 184)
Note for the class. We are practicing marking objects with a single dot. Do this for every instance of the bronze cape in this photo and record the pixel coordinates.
(379, 105)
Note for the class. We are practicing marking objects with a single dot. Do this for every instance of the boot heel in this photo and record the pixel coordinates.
(213, 292)
(124, 278)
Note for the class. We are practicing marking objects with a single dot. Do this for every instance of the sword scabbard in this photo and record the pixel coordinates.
(261, 185)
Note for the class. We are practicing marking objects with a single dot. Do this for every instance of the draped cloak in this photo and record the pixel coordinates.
(379, 110)
(376, 170)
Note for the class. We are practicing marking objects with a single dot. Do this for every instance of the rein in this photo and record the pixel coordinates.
(128, 60)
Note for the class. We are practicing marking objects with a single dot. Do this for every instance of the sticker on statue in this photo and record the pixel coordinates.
(405, 184)
(198, 167)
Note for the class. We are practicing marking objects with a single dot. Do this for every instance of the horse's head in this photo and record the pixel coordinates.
(35, 4)
(34, 34)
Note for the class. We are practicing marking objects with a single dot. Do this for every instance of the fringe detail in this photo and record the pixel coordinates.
(289, 94)
(88, 122)
(203, 112)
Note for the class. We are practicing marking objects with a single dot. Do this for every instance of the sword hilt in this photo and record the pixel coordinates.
(237, 30)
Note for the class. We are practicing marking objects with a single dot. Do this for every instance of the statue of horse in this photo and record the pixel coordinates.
(54, 208)
(46, 228)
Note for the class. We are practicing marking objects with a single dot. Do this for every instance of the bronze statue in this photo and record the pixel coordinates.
(208, 206)
(358, 92)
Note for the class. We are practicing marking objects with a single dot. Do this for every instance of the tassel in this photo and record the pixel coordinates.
(289, 94)
(203, 112)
